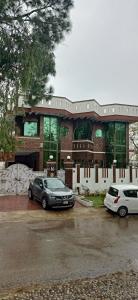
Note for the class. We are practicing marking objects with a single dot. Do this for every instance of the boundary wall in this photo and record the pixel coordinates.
(99, 179)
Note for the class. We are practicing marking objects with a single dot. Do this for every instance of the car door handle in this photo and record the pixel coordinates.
(126, 200)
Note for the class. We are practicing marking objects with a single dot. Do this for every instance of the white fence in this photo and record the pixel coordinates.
(87, 178)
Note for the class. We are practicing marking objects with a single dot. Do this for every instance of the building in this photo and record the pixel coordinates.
(85, 131)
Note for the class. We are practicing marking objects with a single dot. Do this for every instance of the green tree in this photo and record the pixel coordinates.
(7, 138)
(29, 33)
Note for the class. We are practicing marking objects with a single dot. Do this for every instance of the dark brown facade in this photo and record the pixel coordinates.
(87, 138)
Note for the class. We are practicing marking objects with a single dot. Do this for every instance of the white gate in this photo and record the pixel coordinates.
(16, 178)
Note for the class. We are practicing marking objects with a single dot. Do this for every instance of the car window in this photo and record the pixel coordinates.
(113, 192)
(54, 183)
(131, 193)
(36, 181)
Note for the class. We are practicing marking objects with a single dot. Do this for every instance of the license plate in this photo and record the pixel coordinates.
(65, 202)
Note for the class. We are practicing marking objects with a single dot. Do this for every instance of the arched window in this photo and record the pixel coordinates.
(99, 133)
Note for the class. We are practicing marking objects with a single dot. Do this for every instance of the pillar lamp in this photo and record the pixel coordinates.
(114, 161)
(50, 157)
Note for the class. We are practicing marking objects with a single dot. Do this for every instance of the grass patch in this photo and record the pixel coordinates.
(98, 200)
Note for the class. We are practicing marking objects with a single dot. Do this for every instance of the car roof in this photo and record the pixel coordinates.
(124, 186)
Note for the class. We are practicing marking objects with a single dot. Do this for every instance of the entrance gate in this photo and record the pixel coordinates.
(16, 178)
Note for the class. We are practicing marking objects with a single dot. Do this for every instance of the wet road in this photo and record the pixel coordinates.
(37, 246)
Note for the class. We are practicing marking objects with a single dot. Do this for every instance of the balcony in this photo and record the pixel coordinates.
(31, 143)
(82, 150)
(82, 145)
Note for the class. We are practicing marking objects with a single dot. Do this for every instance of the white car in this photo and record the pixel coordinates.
(122, 199)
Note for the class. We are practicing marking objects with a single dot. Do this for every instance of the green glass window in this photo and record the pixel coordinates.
(30, 129)
(51, 129)
(120, 133)
(116, 143)
(83, 131)
(116, 133)
(99, 133)
(110, 132)
(51, 138)
(63, 131)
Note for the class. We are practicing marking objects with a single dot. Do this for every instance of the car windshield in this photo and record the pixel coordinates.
(113, 192)
(54, 184)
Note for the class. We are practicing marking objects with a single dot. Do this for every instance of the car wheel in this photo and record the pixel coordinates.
(44, 203)
(122, 211)
(30, 194)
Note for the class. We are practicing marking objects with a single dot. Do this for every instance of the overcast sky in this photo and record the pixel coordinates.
(99, 58)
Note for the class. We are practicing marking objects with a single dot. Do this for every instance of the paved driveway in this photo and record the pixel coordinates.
(15, 203)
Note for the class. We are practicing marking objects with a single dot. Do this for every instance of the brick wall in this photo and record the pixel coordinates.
(99, 142)
(99, 145)
(34, 144)
(28, 143)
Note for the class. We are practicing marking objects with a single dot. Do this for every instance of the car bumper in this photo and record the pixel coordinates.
(61, 203)
(63, 206)
(111, 207)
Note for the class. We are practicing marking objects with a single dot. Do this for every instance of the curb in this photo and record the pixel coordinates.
(84, 202)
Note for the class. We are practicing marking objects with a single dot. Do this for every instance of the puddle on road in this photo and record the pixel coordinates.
(46, 226)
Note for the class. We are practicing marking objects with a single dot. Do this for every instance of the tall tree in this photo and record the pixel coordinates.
(29, 33)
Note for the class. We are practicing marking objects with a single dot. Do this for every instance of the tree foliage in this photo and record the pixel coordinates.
(133, 135)
(7, 137)
(133, 143)
(29, 32)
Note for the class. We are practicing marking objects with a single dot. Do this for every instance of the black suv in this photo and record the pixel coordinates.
(51, 192)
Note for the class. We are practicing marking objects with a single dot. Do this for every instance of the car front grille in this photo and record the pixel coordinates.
(64, 197)
(61, 203)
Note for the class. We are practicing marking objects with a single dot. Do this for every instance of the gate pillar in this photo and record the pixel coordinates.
(130, 173)
(68, 165)
(114, 170)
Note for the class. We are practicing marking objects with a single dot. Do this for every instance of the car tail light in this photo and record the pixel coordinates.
(116, 199)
